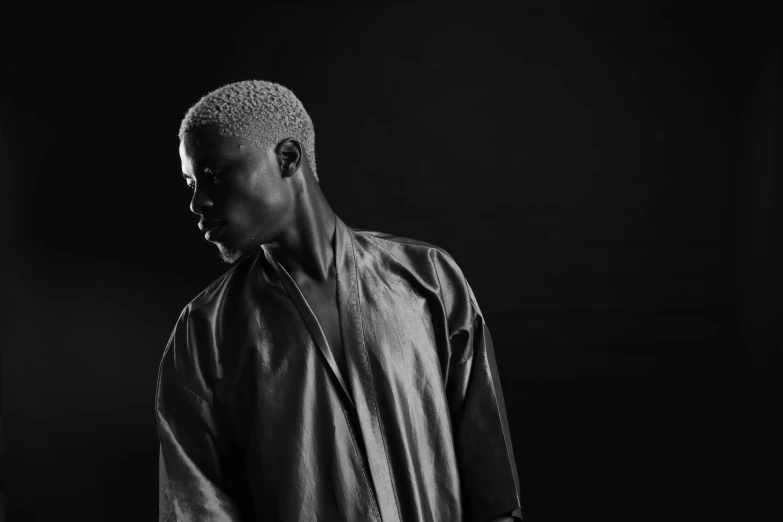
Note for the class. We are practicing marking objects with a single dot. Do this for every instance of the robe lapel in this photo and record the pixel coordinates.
(359, 370)
(360, 388)
(312, 324)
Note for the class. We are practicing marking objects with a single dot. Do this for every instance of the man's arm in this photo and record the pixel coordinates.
(165, 507)
(481, 434)
(193, 474)
(482, 441)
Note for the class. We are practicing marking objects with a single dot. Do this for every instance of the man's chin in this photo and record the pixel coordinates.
(230, 255)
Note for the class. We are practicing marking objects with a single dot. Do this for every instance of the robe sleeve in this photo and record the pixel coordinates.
(191, 466)
(165, 507)
(490, 486)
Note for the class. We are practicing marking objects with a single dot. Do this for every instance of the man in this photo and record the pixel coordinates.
(332, 374)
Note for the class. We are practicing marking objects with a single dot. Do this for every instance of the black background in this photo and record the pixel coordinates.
(606, 176)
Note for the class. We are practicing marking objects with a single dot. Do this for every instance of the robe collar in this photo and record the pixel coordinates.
(345, 269)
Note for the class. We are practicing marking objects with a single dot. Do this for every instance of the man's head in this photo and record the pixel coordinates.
(240, 147)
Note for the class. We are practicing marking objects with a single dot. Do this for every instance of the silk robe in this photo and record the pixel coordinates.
(257, 421)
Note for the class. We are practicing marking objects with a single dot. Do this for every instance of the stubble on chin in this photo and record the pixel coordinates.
(229, 255)
(232, 254)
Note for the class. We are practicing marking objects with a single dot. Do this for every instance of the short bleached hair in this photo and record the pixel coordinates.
(265, 112)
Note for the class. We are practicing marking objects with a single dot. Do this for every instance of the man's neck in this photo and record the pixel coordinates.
(306, 248)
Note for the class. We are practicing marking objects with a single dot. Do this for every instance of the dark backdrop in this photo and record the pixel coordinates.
(605, 176)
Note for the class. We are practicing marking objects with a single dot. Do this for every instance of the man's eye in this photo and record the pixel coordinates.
(191, 186)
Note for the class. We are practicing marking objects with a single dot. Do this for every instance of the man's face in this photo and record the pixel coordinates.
(238, 190)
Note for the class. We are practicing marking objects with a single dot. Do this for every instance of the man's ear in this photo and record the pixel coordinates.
(289, 157)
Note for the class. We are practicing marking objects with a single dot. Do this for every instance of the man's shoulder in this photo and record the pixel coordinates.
(405, 246)
(424, 258)
(417, 255)
(216, 292)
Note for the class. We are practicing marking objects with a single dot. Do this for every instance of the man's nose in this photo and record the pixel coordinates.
(200, 202)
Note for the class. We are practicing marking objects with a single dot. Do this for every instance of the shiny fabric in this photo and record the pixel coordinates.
(257, 422)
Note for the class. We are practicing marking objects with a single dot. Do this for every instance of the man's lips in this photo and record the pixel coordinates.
(210, 227)
(207, 224)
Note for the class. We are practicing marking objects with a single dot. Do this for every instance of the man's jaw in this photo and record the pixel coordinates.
(229, 255)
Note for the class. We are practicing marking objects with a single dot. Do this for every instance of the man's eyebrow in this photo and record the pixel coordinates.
(186, 176)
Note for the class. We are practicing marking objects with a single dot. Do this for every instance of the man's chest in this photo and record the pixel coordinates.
(323, 301)
(277, 369)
